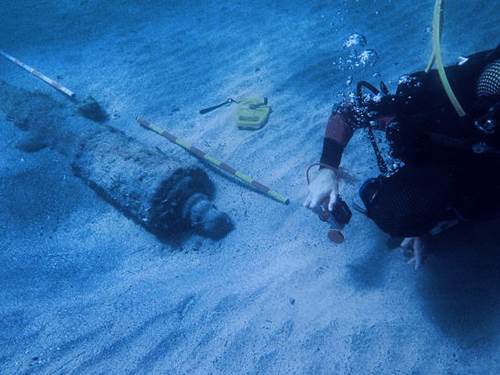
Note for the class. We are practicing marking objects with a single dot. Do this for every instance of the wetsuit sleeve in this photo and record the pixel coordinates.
(332, 153)
(339, 131)
(337, 135)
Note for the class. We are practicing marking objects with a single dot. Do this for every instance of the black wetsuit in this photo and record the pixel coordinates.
(452, 169)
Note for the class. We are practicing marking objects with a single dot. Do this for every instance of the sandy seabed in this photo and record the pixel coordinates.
(85, 290)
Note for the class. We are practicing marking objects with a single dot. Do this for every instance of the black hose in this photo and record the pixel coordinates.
(213, 108)
(382, 166)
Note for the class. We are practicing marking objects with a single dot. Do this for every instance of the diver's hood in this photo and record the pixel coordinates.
(489, 80)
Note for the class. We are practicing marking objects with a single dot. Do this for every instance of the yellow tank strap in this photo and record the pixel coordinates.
(437, 58)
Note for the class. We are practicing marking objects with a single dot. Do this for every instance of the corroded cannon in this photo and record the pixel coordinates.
(167, 195)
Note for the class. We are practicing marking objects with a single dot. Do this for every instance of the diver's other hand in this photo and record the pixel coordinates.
(324, 186)
(418, 247)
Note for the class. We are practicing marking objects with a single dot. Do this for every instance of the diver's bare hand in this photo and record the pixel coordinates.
(324, 186)
(418, 248)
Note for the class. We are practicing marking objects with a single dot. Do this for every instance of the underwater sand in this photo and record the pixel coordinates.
(85, 290)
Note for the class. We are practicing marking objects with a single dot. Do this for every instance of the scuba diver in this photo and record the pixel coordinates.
(449, 168)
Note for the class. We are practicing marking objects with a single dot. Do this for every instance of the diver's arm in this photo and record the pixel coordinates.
(337, 135)
(339, 131)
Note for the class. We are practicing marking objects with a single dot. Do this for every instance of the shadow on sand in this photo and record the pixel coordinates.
(460, 285)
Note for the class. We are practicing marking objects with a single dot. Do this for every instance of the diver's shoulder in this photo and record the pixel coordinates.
(485, 56)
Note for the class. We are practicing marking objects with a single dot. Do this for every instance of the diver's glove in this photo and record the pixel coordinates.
(417, 247)
(324, 186)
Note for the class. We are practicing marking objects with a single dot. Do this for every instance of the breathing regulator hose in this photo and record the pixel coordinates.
(437, 58)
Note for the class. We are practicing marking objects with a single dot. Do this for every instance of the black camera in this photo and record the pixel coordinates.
(339, 216)
(341, 212)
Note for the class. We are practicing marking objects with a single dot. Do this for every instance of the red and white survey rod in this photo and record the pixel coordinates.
(39, 75)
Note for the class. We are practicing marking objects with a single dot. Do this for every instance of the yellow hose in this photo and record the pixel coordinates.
(437, 58)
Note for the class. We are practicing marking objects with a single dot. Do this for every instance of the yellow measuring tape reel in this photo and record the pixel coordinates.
(252, 113)
(437, 58)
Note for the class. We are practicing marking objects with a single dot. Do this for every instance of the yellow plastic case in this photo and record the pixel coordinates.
(252, 113)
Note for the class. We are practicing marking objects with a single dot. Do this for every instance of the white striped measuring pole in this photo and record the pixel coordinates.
(39, 75)
(214, 161)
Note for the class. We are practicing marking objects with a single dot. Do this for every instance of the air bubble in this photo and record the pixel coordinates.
(355, 41)
(368, 57)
